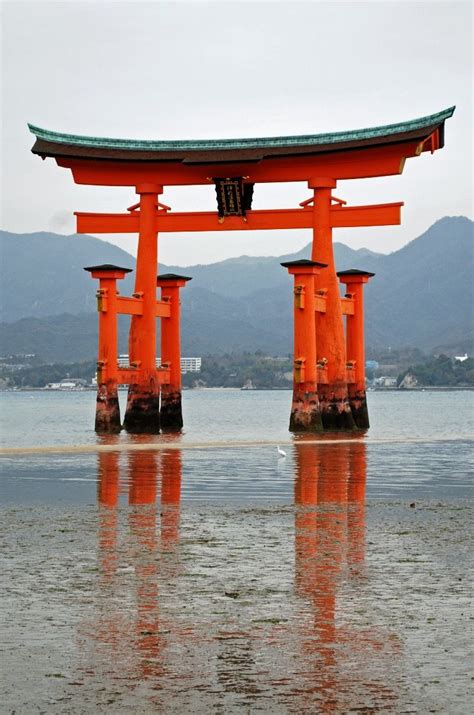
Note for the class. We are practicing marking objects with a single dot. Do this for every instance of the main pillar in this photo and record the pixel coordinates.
(171, 413)
(107, 414)
(355, 344)
(143, 404)
(305, 409)
(333, 395)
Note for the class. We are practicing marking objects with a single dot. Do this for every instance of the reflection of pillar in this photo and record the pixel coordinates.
(305, 413)
(143, 475)
(143, 408)
(333, 399)
(356, 499)
(107, 415)
(107, 495)
(332, 499)
(306, 499)
(108, 479)
(171, 415)
(329, 533)
(320, 498)
(355, 347)
(170, 496)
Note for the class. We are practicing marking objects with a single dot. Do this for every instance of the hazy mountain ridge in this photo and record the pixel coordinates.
(421, 295)
(49, 269)
(42, 273)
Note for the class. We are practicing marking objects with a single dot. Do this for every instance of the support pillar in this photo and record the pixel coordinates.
(143, 404)
(333, 396)
(354, 281)
(305, 409)
(171, 414)
(107, 415)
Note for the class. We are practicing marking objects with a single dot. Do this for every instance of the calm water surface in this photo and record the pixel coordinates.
(50, 418)
(225, 579)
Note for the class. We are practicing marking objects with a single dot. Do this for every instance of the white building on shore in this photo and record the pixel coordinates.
(188, 364)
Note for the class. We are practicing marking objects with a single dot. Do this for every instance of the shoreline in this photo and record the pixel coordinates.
(427, 388)
(224, 444)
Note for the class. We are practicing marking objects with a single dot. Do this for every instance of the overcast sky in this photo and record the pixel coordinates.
(167, 70)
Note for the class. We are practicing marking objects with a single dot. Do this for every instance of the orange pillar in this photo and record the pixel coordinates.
(107, 415)
(305, 412)
(355, 344)
(143, 404)
(333, 396)
(171, 414)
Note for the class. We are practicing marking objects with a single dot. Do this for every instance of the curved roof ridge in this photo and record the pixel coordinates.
(242, 143)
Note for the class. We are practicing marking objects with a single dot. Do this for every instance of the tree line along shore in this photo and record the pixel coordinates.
(402, 369)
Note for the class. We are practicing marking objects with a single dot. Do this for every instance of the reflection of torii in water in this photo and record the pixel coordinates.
(143, 476)
(128, 636)
(330, 485)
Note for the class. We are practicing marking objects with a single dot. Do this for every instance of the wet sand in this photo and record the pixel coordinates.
(301, 595)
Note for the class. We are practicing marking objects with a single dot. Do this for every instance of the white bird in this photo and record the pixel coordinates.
(281, 452)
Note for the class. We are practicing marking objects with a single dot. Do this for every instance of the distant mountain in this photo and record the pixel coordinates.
(49, 269)
(421, 295)
(239, 277)
(42, 273)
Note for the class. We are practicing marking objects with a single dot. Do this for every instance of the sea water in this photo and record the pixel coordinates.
(206, 572)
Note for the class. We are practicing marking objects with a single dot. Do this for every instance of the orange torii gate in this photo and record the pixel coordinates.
(329, 379)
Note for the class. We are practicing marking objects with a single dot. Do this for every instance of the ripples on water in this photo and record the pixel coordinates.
(189, 580)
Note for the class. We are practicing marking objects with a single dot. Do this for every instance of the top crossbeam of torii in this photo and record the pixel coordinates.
(236, 165)
(378, 151)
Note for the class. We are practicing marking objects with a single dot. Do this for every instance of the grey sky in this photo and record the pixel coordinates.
(219, 69)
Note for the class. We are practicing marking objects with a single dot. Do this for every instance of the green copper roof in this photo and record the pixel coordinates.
(237, 144)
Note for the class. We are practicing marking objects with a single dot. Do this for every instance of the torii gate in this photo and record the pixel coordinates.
(328, 378)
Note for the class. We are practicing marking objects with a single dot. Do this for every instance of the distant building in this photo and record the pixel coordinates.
(385, 381)
(69, 383)
(408, 382)
(188, 364)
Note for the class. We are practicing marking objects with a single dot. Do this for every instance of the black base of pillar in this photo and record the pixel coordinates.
(359, 410)
(305, 413)
(171, 412)
(143, 410)
(107, 411)
(336, 413)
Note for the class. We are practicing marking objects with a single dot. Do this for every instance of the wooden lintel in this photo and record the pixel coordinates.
(347, 306)
(320, 304)
(129, 306)
(375, 215)
(163, 309)
(107, 223)
(350, 376)
(129, 375)
(193, 221)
